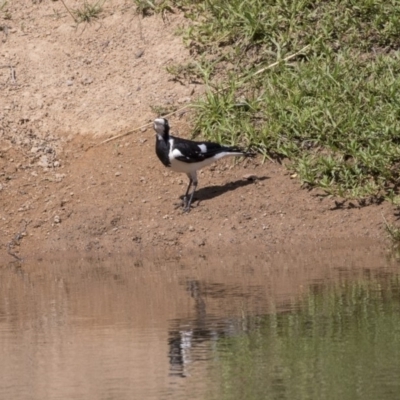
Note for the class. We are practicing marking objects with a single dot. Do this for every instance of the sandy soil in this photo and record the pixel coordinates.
(66, 88)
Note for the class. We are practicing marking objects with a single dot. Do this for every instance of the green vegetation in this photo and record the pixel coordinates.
(393, 232)
(342, 342)
(333, 110)
(149, 7)
(3, 9)
(87, 12)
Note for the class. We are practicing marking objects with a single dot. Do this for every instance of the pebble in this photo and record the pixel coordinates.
(43, 162)
(59, 177)
(191, 228)
(117, 173)
(87, 81)
(184, 100)
(57, 219)
(139, 53)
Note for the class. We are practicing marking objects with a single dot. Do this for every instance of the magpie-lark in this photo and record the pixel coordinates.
(187, 156)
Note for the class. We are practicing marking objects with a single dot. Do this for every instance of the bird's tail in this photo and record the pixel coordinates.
(244, 153)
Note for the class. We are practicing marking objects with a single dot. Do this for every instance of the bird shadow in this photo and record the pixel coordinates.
(209, 192)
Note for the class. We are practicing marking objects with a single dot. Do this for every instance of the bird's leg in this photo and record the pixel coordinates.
(185, 198)
(187, 207)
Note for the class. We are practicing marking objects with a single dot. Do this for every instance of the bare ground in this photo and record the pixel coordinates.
(66, 88)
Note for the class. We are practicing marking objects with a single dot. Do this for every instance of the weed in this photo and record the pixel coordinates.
(149, 7)
(393, 232)
(184, 72)
(3, 10)
(87, 12)
(145, 7)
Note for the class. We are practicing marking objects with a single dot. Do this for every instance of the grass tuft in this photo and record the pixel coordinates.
(332, 111)
(3, 9)
(392, 231)
(150, 7)
(88, 11)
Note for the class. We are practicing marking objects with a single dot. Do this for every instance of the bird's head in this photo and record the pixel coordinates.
(161, 127)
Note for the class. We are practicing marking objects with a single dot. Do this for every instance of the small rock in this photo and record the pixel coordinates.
(69, 82)
(34, 149)
(59, 177)
(57, 219)
(250, 177)
(139, 53)
(87, 81)
(184, 100)
(56, 164)
(191, 228)
(43, 162)
(117, 173)
(200, 242)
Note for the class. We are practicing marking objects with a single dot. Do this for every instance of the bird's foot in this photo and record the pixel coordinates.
(186, 204)
(182, 203)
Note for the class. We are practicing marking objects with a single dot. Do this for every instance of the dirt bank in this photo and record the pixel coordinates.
(65, 88)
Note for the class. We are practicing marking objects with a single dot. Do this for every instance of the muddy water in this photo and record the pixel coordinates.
(313, 323)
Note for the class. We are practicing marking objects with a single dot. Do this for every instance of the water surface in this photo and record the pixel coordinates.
(300, 324)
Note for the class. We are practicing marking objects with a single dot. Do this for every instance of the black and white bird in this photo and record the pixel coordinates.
(187, 156)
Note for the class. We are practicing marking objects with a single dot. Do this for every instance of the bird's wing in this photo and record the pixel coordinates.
(191, 152)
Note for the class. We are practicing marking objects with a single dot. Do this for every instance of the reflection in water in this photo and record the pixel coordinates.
(187, 338)
(181, 341)
(344, 342)
(315, 325)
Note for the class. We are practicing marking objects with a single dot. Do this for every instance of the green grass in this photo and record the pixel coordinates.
(332, 111)
(393, 232)
(3, 10)
(87, 12)
(341, 342)
(149, 7)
